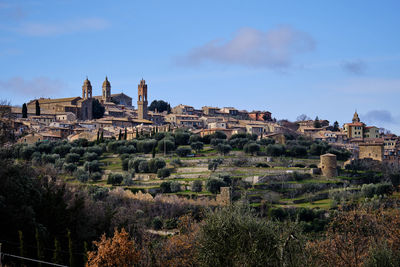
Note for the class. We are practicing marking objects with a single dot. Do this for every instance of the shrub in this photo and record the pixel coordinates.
(251, 148)
(214, 184)
(143, 167)
(72, 158)
(214, 163)
(70, 167)
(275, 150)
(82, 175)
(50, 158)
(163, 173)
(312, 166)
(146, 146)
(197, 186)
(90, 156)
(197, 146)
(115, 178)
(216, 141)
(182, 138)
(62, 150)
(175, 187)
(166, 144)
(165, 187)
(95, 149)
(126, 149)
(92, 166)
(157, 223)
(369, 190)
(77, 150)
(125, 164)
(194, 138)
(156, 164)
(299, 165)
(96, 176)
(262, 165)
(183, 151)
(224, 149)
(176, 162)
(218, 135)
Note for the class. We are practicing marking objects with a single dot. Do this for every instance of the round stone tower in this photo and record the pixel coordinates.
(328, 165)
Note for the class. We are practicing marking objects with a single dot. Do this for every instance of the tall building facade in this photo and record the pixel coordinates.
(142, 100)
(106, 96)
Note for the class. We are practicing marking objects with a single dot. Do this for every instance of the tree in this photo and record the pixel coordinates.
(252, 148)
(119, 250)
(120, 135)
(197, 186)
(37, 106)
(214, 184)
(160, 106)
(303, 117)
(97, 109)
(224, 149)
(126, 134)
(197, 146)
(115, 178)
(335, 126)
(214, 163)
(183, 151)
(24, 111)
(317, 123)
(163, 173)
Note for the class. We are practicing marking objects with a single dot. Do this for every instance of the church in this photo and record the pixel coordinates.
(82, 107)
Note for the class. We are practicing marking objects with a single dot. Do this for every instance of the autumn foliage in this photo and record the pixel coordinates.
(119, 250)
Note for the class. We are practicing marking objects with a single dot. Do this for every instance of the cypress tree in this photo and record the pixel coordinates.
(85, 252)
(126, 134)
(120, 134)
(98, 137)
(102, 137)
(57, 252)
(71, 256)
(39, 247)
(37, 108)
(137, 133)
(24, 111)
(21, 246)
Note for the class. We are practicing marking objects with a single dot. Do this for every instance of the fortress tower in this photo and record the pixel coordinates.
(106, 96)
(142, 100)
(86, 89)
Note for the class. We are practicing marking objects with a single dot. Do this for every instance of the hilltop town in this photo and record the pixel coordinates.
(111, 115)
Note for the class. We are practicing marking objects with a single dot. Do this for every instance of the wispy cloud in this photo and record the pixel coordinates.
(357, 67)
(378, 116)
(36, 87)
(250, 47)
(12, 10)
(66, 27)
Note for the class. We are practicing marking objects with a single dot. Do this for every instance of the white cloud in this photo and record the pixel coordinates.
(66, 27)
(250, 47)
(36, 87)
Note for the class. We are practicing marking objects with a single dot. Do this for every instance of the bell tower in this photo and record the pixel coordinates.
(142, 100)
(86, 89)
(106, 91)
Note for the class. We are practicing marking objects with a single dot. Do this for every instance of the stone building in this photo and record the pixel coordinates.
(224, 198)
(142, 100)
(328, 165)
(373, 151)
(358, 130)
(106, 91)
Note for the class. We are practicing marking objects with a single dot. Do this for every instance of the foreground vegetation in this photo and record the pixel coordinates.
(151, 202)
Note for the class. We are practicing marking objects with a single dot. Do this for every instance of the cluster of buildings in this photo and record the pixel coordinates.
(74, 117)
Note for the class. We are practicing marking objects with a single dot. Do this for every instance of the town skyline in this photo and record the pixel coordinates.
(301, 65)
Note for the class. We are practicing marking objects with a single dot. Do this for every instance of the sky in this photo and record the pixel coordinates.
(319, 58)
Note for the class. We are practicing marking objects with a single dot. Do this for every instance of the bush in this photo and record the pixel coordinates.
(182, 138)
(166, 144)
(165, 187)
(72, 158)
(224, 149)
(90, 156)
(61, 150)
(92, 166)
(369, 190)
(115, 178)
(176, 162)
(163, 173)
(143, 167)
(156, 164)
(125, 164)
(251, 148)
(262, 165)
(218, 135)
(146, 146)
(175, 187)
(70, 167)
(214, 163)
(313, 166)
(77, 150)
(214, 184)
(126, 149)
(194, 138)
(299, 165)
(215, 142)
(240, 162)
(82, 175)
(197, 186)
(157, 223)
(275, 150)
(50, 158)
(183, 151)
(298, 151)
(96, 176)
(95, 149)
(197, 146)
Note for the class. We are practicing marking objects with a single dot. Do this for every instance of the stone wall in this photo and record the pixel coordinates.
(371, 151)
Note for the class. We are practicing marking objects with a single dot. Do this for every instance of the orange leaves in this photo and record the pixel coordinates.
(116, 251)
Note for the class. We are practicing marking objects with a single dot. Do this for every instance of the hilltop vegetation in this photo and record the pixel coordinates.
(157, 196)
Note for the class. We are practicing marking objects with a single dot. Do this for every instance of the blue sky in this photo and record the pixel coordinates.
(325, 58)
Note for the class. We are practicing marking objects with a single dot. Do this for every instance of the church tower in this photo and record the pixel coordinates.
(142, 100)
(356, 118)
(86, 89)
(106, 91)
